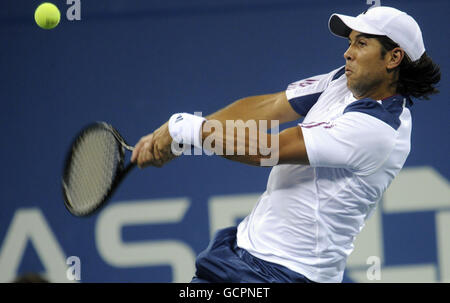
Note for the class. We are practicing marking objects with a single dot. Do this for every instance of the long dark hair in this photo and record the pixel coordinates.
(417, 79)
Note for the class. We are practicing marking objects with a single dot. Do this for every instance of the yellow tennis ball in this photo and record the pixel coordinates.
(47, 15)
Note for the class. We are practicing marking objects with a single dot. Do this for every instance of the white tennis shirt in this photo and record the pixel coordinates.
(308, 217)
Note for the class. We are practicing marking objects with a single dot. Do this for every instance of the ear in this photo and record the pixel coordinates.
(394, 58)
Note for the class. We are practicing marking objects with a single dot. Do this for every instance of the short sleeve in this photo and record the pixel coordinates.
(303, 94)
(355, 141)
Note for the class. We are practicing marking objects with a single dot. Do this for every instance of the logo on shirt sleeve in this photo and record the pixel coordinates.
(302, 83)
(315, 124)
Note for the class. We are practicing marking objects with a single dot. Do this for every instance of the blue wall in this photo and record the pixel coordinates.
(134, 63)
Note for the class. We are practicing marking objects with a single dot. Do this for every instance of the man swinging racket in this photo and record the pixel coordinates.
(331, 169)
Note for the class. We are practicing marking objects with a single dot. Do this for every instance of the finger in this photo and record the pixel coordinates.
(135, 152)
(158, 156)
(137, 149)
(151, 160)
(146, 145)
(139, 145)
(144, 155)
(156, 153)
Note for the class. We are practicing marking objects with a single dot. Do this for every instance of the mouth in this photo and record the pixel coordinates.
(348, 71)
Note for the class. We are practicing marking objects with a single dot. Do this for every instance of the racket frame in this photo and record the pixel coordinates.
(119, 174)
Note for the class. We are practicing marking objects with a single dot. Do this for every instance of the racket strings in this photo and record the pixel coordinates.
(94, 163)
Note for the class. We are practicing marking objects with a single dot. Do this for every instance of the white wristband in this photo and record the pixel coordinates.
(186, 129)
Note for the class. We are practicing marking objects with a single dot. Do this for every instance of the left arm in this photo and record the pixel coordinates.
(154, 149)
(287, 147)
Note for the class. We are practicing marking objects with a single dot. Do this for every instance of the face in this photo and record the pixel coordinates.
(365, 68)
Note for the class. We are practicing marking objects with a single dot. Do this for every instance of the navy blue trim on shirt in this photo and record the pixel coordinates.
(339, 73)
(388, 111)
(303, 104)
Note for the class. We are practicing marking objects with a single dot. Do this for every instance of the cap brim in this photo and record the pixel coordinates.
(342, 26)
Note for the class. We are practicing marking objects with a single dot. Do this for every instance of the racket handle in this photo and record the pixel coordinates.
(130, 148)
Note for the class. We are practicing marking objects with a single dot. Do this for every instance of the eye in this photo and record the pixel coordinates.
(362, 43)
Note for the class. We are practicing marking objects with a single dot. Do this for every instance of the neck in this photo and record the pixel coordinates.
(377, 92)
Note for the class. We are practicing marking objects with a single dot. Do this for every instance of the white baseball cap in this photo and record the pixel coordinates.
(386, 21)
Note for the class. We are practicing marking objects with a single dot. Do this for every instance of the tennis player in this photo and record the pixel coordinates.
(332, 168)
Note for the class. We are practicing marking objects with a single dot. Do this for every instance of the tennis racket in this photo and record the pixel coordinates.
(94, 168)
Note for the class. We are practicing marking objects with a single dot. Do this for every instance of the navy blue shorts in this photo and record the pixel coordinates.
(224, 262)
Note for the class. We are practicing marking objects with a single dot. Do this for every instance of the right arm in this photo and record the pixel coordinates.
(268, 108)
(263, 107)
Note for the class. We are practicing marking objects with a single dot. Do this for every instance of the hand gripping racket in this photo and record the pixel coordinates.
(94, 168)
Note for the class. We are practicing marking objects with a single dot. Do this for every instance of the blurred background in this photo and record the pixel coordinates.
(133, 64)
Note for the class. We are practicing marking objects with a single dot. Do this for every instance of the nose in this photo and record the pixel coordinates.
(348, 55)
